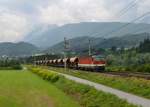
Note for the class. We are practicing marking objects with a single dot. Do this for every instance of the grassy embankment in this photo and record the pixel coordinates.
(145, 68)
(86, 96)
(140, 87)
(24, 89)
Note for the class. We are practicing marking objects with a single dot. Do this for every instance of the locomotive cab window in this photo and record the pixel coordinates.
(98, 57)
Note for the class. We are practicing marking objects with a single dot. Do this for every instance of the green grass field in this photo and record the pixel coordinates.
(24, 89)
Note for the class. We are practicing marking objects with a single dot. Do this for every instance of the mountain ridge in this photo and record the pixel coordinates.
(17, 49)
(94, 29)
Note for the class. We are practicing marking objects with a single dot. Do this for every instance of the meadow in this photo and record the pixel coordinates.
(20, 88)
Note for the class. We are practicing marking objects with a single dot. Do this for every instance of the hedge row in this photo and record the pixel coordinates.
(46, 75)
(141, 68)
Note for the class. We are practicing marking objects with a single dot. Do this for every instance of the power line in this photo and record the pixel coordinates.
(129, 6)
(136, 19)
(66, 44)
(123, 26)
(122, 12)
(137, 31)
(126, 9)
(118, 29)
(90, 47)
(66, 48)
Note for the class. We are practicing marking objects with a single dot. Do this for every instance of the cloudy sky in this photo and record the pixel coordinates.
(18, 17)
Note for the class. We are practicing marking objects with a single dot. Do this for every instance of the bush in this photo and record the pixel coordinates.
(17, 67)
(115, 68)
(10, 64)
(143, 68)
(46, 75)
(132, 68)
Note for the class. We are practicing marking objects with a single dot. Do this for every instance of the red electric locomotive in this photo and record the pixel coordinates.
(92, 63)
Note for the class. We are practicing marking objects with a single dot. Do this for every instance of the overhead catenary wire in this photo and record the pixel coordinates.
(118, 29)
(123, 26)
(132, 4)
(89, 47)
(66, 48)
(122, 12)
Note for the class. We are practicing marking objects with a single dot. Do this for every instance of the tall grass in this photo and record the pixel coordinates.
(145, 68)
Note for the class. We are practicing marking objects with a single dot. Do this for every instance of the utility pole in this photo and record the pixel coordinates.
(89, 47)
(66, 48)
(34, 60)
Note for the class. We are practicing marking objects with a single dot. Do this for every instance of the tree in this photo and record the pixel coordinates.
(144, 46)
(114, 48)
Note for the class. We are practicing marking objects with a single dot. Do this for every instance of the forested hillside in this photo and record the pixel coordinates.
(17, 49)
(80, 44)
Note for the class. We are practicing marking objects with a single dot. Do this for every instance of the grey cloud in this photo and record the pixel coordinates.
(35, 12)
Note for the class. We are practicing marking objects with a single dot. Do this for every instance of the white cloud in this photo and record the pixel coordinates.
(70, 11)
(13, 26)
(17, 16)
(53, 15)
(143, 6)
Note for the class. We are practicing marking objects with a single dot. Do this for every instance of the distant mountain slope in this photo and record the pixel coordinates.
(81, 43)
(17, 49)
(37, 33)
(51, 36)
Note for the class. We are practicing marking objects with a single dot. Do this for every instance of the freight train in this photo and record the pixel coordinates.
(92, 63)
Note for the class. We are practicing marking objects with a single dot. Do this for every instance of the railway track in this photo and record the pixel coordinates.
(122, 74)
(129, 74)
